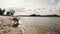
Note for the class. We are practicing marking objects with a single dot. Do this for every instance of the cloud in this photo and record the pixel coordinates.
(29, 3)
(43, 3)
(32, 4)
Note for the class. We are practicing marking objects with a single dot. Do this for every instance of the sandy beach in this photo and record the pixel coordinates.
(30, 25)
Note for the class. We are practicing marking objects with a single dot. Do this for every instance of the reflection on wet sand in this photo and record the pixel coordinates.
(41, 25)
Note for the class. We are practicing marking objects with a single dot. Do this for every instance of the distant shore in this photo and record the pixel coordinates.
(38, 16)
(35, 16)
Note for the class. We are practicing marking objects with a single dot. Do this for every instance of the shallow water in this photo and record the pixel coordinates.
(41, 25)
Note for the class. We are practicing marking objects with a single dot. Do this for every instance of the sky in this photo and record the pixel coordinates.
(32, 4)
(29, 3)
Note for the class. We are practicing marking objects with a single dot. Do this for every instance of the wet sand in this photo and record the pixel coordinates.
(41, 25)
(30, 25)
